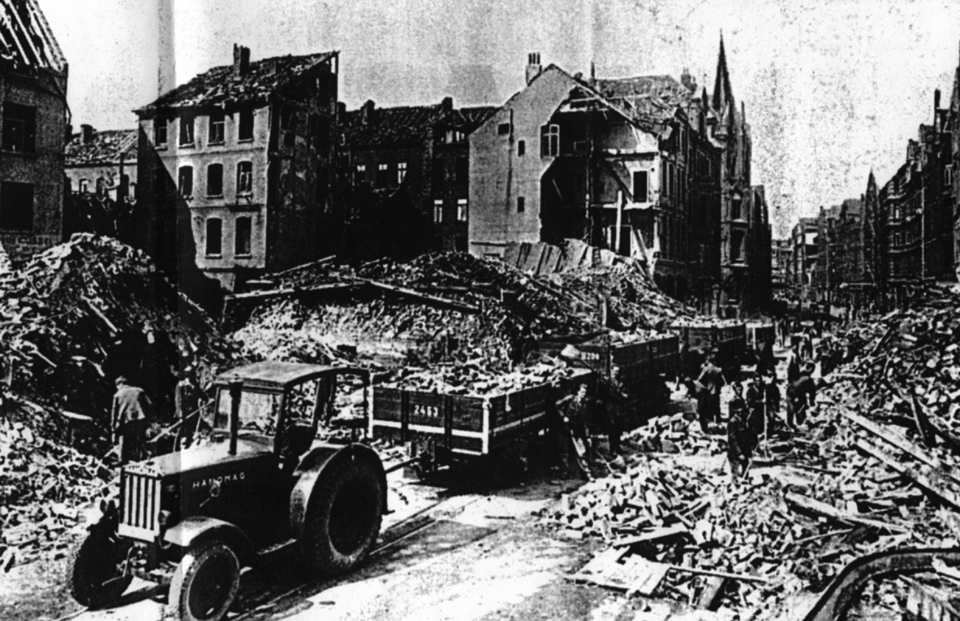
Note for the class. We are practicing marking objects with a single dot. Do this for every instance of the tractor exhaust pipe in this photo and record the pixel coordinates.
(235, 386)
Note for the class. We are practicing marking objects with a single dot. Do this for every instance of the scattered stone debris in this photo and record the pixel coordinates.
(876, 469)
(75, 317)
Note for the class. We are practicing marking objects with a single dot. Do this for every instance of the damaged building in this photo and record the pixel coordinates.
(33, 131)
(101, 169)
(236, 167)
(646, 166)
(620, 164)
(405, 172)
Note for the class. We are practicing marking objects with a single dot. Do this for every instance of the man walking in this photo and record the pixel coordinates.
(711, 377)
(128, 420)
(801, 395)
(740, 437)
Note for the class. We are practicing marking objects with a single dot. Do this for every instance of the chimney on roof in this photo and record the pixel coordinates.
(241, 59)
(447, 104)
(688, 81)
(366, 112)
(86, 133)
(533, 66)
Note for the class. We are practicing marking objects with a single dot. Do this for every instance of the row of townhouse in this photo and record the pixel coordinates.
(255, 167)
(897, 236)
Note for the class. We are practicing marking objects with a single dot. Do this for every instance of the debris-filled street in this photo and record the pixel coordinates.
(658, 526)
(347, 312)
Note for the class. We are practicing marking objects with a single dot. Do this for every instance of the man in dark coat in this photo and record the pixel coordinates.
(129, 419)
(712, 380)
(740, 437)
(801, 395)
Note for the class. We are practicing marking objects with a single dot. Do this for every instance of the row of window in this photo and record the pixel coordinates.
(215, 180)
(389, 174)
(438, 210)
(386, 174)
(549, 139)
(242, 232)
(216, 129)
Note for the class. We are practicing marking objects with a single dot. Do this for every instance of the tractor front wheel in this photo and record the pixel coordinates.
(96, 576)
(343, 518)
(205, 583)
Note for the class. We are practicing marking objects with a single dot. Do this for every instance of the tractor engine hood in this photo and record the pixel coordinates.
(198, 459)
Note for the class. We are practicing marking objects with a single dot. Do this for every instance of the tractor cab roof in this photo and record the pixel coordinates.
(277, 376)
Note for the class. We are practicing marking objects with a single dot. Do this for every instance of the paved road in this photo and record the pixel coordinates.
(470, 555)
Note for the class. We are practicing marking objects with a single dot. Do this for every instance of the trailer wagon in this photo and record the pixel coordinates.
(447, 427)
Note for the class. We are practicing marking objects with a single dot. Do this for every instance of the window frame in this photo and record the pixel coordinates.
(158, 125)
(462, 209)
(244, 174)
(187, 125)
(25, 140)
(237, 251)
(359, 174)
(210, 176)
(550, 140)
(438, 211)
(401, 172)
(383, 174)
(646, 186)
(242, 115)
(180, 181)
(521, 204)
(217, 120)
(207, 237)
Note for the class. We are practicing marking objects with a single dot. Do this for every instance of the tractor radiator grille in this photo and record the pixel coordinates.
(140, 508)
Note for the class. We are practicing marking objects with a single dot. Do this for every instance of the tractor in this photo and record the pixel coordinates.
(261, 484)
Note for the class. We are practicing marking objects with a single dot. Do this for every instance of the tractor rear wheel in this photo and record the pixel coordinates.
(96, 579)
(343, 518)
(205, 583)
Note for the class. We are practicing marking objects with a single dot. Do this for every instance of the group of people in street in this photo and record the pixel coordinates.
(754, 409)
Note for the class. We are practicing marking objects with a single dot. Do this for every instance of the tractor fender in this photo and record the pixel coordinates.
(311, 472)
(198, 529)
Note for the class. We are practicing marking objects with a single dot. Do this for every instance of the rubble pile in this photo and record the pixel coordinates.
(386, 331)
(514, 310)
(633, 299)
(476, 380)
(82, 312)
(910, 362)
(42, 487)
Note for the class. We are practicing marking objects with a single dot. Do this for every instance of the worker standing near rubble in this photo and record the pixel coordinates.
(187, 403)
(755, 406)
(740, 437)
(801, 395)
(793, 365)
(712, 380)
(129, 419)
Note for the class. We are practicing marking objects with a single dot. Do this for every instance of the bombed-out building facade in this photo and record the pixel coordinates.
(235, 168)
(34, 120)
(645, 166)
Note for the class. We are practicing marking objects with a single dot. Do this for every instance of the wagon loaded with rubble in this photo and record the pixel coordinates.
(446, 419)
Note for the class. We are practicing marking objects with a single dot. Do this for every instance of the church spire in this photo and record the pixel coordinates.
(722, 92)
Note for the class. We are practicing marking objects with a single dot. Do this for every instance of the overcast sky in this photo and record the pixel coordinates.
(832, 88)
